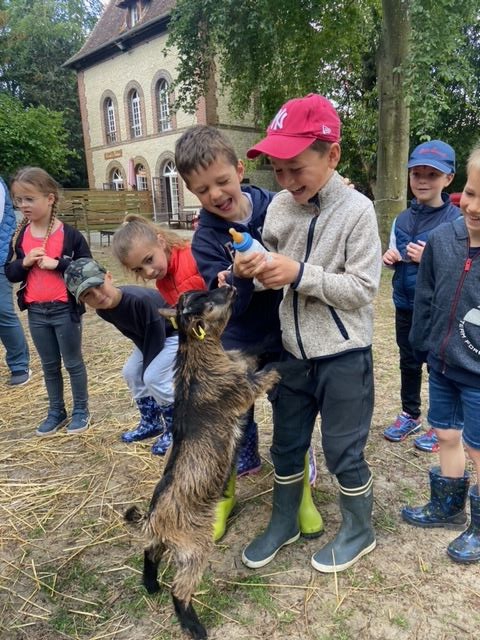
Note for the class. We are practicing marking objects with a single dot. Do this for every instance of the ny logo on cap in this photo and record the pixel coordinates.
(277, 122)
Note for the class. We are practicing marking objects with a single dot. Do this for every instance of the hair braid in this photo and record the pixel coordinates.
(20, 227)
(53, 216)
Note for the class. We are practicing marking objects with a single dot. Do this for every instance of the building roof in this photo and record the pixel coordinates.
(112, 35)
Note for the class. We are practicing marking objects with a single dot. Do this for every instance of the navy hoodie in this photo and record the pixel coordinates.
(412, 225)
(254, 325)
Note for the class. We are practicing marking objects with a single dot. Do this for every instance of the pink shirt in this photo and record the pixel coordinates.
(45, 285)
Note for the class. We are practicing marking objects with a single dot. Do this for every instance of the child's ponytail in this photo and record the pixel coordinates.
(136, 228)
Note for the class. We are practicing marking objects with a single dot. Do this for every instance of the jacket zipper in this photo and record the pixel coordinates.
(308, 250)
(466, 268)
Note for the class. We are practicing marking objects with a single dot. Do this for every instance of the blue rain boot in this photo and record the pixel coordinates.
(447, 503)
(466, 548)
(248, 460)
(151, 423)
(163, 443)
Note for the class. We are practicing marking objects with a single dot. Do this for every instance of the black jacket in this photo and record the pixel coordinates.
(74, 246)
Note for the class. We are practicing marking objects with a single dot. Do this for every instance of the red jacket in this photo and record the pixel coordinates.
(182, 275)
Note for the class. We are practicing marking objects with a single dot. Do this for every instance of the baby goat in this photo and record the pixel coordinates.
(213, 390)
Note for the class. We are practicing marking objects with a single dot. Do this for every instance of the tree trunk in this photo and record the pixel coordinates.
(393, 116)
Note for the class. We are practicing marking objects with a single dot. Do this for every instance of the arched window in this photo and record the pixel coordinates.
(110, 122)
(163, 106)
(116, 179)
(135, 114)
(170, 188)
(141, 178)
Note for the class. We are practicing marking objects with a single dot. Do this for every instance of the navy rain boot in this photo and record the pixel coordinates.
(283, 527)
(162, 444)
(248, 460)
(466, 548)
(447, 503)
(356, 536)
(151, 423)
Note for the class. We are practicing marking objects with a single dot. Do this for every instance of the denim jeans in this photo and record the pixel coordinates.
(11, 332)
(157, 379)
(454, 405)
(56, 336)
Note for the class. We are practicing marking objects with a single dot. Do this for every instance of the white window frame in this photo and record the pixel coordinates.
(136, 114)
(141, 178)
(110, 118)
(117, 180)
(170, 176)
(163, 95)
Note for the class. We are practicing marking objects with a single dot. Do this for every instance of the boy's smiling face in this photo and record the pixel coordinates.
(304, 175)
(102, 296)
(218, 189)
(427, 184)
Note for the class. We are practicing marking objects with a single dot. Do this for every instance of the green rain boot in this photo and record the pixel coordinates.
(224, 508)
(309, 519)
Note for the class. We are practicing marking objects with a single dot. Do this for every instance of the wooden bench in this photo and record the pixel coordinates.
(105, 222)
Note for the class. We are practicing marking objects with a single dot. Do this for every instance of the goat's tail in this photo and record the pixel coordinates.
(133, 515)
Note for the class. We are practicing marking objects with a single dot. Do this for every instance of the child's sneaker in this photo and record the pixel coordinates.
(427, 442)
(79, 423)
(19, 378)
(403, 427)
(52, 423)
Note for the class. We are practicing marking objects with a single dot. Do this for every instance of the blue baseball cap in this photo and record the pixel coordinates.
(436, 154)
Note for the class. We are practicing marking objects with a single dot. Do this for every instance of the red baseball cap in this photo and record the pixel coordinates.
(297, 125)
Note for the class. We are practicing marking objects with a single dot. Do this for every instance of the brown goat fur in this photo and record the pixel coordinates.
(214, 388)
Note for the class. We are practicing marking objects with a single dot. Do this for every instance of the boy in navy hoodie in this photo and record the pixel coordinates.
(208, 164)
(431, 170)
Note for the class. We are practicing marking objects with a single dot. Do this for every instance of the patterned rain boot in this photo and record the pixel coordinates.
(162, 444)
(447, 503)
(356, 536)
(466, 548)
(283, 527)
(248, 459)
(151, 423)
(310, 520)
(224, 508)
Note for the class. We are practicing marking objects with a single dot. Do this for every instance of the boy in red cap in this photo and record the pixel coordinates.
(326, 253)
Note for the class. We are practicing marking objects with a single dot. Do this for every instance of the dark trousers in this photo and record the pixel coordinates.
(341, 390)
(410, 369)
(56, 336)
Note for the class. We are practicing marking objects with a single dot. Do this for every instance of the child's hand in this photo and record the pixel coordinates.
(223, 277)
(33, 257)
(391, 256)
(246, 265)
(415, 250)
(277, 272)
(47, 263)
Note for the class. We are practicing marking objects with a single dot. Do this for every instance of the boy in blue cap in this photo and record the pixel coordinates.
(431, 170)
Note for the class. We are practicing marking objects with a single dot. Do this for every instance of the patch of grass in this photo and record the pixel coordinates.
(323, 497)
(387, 521)
(409, 495)
(400, 621)
(256, 592)
(80, 578)
(216, 601)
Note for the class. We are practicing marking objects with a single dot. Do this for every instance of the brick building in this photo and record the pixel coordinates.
(130, 129)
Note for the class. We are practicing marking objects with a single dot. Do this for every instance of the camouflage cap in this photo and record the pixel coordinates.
(82, 274)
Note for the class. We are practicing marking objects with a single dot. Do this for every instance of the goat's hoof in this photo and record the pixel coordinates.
(152, 587)
(196, 630)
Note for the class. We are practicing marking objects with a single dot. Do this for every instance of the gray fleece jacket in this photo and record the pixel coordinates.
(328, 310)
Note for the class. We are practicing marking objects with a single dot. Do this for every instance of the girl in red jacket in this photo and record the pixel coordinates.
(152, 253)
